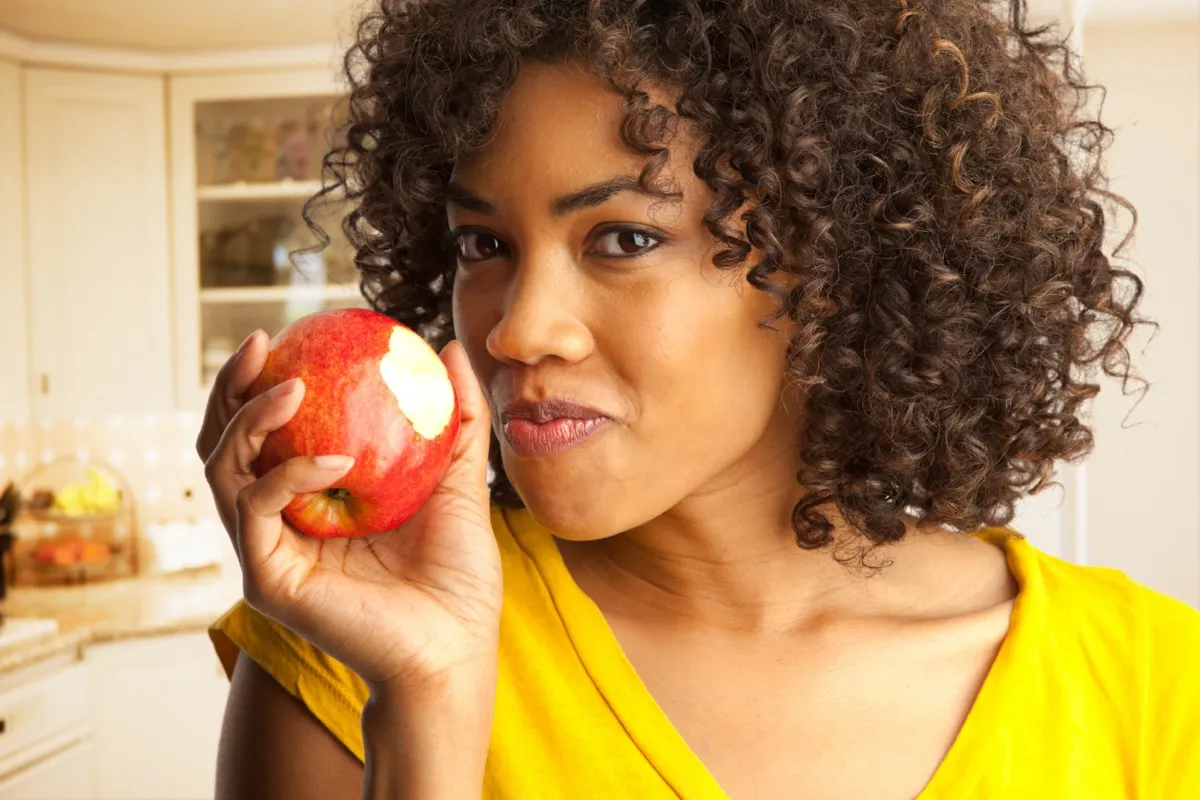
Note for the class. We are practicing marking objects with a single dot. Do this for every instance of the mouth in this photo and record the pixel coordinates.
(549, 426)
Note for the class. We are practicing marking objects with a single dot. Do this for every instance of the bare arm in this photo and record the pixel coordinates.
(418, 623)
(273, 748)
(430, 742)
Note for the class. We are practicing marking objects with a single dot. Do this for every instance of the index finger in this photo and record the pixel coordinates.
(229, 390)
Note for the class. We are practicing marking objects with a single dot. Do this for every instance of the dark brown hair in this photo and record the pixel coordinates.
(930, 191)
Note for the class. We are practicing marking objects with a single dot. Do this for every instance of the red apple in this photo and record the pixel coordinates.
(373, 390)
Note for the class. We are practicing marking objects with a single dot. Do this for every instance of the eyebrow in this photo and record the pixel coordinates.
(589, 196)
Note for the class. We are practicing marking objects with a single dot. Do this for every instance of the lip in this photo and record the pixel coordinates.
(549, 426)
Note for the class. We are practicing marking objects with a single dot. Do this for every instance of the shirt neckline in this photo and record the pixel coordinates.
(651, 730)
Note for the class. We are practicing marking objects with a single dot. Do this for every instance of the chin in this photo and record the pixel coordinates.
(580, 509)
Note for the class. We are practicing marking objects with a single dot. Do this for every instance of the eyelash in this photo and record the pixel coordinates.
(455, 241)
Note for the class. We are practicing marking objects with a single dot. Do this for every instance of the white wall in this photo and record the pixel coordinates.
(1143, 480)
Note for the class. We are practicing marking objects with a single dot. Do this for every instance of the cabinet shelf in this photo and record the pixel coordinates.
(280, 190)
(279, 294)
(236, 127)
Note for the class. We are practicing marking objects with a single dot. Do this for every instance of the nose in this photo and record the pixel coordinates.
(541, 318)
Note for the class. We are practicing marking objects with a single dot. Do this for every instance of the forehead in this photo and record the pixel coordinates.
(558, 127)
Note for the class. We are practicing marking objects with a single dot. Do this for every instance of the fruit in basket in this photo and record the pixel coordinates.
(71, 552)
(97, 495)
(376, 391)
(40, 500)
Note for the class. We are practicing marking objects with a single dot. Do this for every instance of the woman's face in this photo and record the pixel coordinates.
(626, 373)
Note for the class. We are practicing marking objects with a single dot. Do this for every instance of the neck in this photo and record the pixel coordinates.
(726, 555)
(736, 567)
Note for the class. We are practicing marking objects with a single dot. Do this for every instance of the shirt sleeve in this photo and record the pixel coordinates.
(1170, 752)
(331, 691)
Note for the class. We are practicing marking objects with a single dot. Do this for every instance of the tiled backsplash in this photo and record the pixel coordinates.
(156, 453)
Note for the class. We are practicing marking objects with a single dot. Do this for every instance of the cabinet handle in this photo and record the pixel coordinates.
(45, 390)
(3, 724)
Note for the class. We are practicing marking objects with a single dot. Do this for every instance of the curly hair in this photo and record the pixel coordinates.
(929, 213)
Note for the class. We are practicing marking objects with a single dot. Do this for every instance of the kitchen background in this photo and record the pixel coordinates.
(153, 161)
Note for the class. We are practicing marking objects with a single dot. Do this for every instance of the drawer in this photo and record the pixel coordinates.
(37, 709)
(57, 769)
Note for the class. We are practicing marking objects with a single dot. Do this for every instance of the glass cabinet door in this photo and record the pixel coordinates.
(257, 162)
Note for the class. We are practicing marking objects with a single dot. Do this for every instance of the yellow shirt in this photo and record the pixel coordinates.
(1095, 693)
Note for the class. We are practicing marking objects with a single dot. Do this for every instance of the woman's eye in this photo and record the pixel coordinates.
(478, 246)
(625, 242)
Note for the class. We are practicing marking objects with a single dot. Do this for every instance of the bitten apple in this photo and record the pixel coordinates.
(376, 391)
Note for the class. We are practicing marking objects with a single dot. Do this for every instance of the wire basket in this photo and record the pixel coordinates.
(77, 525)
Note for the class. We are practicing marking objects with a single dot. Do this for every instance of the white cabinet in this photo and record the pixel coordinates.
(45, 731)
(14, 367)
(91, 321)
(136, 719)
(246, 152)
(98, 255)
(157, 706)
(64, 774)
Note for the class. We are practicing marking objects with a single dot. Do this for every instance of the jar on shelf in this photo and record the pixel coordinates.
(212, 152)
(237, 145)
(77, 524)
(292, 152)
(324, 122)
(260, 153)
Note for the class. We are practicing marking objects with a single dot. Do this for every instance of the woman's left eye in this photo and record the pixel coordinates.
(625, 242)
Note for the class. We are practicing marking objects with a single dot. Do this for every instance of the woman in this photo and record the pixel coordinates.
(776, 308)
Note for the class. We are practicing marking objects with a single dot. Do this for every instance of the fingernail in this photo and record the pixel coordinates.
(284, 389)
(339, 463)
(245, 343)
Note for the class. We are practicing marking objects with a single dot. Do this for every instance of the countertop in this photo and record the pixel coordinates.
(119, 609)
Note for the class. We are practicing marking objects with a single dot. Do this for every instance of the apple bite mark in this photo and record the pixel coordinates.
(419, 380)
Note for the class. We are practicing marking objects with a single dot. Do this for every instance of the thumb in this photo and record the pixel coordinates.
(467, 474)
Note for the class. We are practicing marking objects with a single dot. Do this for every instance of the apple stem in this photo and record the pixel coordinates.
(337, 493)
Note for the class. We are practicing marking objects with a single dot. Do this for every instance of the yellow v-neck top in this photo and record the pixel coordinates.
(1094, 694)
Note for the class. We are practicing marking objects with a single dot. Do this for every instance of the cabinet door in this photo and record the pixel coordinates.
(98, 260)
(14, 383)
(65, 775)
(225, 191)
(157, 709)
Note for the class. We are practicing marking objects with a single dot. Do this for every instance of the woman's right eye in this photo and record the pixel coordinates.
(478, 246)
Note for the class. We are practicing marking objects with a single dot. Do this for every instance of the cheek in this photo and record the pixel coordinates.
(475, 311)
(707, 376)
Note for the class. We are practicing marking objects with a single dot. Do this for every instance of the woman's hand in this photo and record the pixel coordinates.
(402, 608)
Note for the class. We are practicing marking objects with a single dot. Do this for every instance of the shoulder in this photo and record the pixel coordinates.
(1161, 633)
(1171, 688)
(332, 692)
(1171, 643)
(1139, 649)
(1106, 604)
(1083, 597)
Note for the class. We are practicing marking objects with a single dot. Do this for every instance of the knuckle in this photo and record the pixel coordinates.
(244, 421)
(245, 502)
(236, 418)
(210, 470)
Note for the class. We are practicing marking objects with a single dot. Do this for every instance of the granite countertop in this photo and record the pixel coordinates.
(119, 609)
